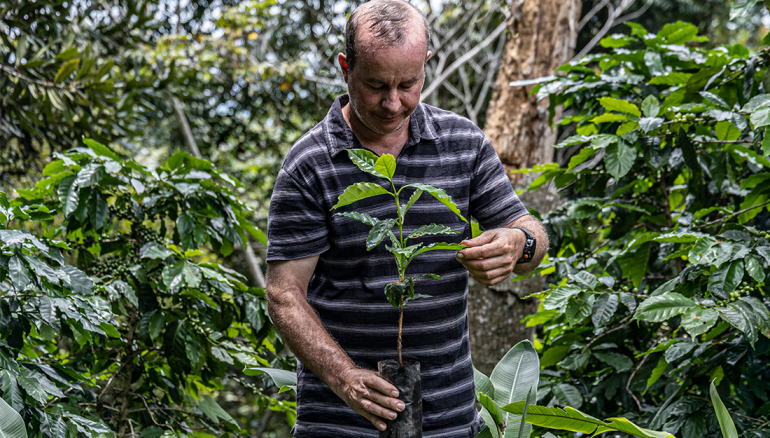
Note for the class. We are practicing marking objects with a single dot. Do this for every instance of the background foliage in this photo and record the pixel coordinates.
(660, 255)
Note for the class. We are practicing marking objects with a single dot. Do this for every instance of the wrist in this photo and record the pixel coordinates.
(528, 247)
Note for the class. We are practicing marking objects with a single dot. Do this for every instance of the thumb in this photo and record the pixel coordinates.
(483, 239)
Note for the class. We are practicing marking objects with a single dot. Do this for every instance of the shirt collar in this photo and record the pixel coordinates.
(339, 136)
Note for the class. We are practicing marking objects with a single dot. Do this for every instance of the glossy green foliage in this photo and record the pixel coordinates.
(660, 254)
(119, 317)
(401, 292)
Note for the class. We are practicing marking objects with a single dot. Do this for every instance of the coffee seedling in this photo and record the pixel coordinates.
(398, 293)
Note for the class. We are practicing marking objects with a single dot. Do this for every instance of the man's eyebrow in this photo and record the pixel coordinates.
(377, 81)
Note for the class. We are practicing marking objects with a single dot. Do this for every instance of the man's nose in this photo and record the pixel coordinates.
(392, 102)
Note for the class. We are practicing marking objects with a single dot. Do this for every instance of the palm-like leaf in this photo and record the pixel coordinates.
(725, 421)
(515, 378)
(575, 421)
(11, 423)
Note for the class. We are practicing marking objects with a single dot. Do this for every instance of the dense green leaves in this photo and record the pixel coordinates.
(666, 205)
(125, 301)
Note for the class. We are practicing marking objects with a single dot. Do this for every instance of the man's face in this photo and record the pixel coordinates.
(385, 83)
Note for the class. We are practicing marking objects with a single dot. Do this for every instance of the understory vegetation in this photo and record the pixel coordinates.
(660, 255)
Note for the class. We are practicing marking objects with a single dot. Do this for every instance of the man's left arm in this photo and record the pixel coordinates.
(491, 257)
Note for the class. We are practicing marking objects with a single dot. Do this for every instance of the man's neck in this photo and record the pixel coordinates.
(391, 143)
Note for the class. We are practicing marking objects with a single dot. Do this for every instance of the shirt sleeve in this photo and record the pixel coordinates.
(297, 223)
(493, 202)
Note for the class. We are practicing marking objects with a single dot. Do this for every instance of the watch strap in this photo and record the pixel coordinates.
(530, 244)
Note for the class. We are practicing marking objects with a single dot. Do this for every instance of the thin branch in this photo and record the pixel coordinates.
(591, 14)
(462, 60)
(721, 141)
(595, 40)
(625, 322)
(628, 384)
(634, 15)
(733, 214)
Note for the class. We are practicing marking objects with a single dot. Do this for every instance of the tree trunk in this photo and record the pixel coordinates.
(542, 35)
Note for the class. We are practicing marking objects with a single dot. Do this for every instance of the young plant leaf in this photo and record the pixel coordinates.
(412, 199)
(441, 195)
(437, 246)
(361, 217)
(365, 160)
(386, 166)
(663, 307)
(431, 229)
(378, 232)
(359, 191)
(498, 416)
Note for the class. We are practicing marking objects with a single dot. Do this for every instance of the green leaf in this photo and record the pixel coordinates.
(621, 106)
(386, 165)
(753, 267)
(634, 264)
(616, 360)
(154, 250)
(361, 217)
(672, 78)
(438, 246)
(724, 280)
(97, 211)
(714, 99)
(365, 160)
(604, 309)
(157, 322)
(761, 117)
(725, 421)
(66, 69)
(412, 199)
(482, 383)
(172, 275)
(281, 378)
(441, 195)
(90, 175)
(378, 232)
(431, 229)
(575, 361)
(101, 149)
(678, 350)
(567, 395)
(650, 106)
(575, 421)
(650, 123)
(68, 195)
(11, 423)
(212, 410)
(18, 273)
(359, 191)
(579, 308)
(662, 307)
(697, 320)
(555, 418)
(497, 415)
(517, 373)
(554, 355)
(609, 118)
(740, 8)
(620, 158)
(744, 318)
(559, 297)
(657, 372)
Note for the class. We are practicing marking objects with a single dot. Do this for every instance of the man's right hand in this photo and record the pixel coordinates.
(367, 393)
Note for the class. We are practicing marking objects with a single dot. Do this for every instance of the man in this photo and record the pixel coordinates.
(325, 291)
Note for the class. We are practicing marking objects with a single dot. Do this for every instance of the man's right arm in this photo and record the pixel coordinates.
(364, 391)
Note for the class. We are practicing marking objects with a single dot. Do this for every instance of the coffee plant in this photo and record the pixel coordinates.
(400, 292)
(661, 252)
(116, 316)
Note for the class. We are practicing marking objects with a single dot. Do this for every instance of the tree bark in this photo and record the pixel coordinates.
(541, 37)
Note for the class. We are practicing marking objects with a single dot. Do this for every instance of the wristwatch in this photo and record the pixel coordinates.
(529, 246)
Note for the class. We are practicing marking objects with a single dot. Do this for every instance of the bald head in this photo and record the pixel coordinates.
(382, 23)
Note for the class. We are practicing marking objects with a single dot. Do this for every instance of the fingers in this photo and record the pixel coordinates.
(373, 397)
(491, 277)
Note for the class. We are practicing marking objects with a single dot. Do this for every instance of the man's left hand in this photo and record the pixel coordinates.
(491, 257)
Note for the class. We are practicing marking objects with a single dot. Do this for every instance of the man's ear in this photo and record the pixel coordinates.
(343, 60)
(427, 57)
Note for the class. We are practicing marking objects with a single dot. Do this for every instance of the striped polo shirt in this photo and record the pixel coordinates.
(444, 150)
